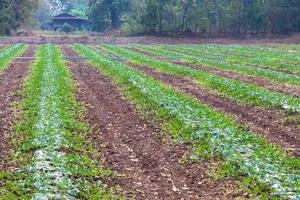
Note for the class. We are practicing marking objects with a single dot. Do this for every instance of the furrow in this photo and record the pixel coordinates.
(278, 87)
(242, 92)
(217, 134)
(10, 83)
(52, 153)
(275, 126)
(134, 147)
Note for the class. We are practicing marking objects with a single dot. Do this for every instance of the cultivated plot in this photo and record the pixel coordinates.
(149, 121)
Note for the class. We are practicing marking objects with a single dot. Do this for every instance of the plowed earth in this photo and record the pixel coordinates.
(134, 147)
(272, 124)
(10, 82)
(285, 88)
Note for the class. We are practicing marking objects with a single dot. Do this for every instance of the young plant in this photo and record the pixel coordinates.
(53, 154)
(237, 90)
(215, 133)
(219, 61)
(8, 53)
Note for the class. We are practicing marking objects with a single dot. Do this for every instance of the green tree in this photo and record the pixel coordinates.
(107, 13)
(16, 13)
(213, 17)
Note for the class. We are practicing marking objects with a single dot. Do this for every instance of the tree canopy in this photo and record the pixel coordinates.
(162, 17)
(197, 16)
(15, 13)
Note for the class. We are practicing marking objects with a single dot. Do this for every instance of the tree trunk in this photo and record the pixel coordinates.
(114, 18)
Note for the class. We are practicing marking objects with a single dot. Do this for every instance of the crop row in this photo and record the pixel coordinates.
(254, 51)
(242, 92)
(8, 53)
(215, 61)
(268, 60)
(53, 152)
(290, 48)
(244, 153)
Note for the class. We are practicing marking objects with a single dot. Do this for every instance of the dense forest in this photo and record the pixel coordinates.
(16, 13)
(197, 16)
(161, 17)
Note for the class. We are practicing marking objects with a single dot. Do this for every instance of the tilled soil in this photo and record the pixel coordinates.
(257, 66)
(10, 82)
(280, 87)
(284, 88)
(113, 37)
(133, 146)
(275, 69)
(271, 124)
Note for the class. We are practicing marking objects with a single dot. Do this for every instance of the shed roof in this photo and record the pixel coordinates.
(66, 16)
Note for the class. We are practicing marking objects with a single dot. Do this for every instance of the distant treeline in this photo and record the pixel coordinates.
(161, 17)
(217, 17)
(15, 13)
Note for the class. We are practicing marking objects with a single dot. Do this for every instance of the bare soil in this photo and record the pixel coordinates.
(134, 147)
(288, 71)
(261, 66)
(10, 82)
(279, 87)
(90, 39)
(271, 124)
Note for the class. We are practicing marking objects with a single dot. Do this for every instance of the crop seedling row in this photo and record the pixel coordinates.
(242, 92)
(263, 59)
(216, 61)
(267, 54)
(8, 53)
(52, 153)
(244, 153)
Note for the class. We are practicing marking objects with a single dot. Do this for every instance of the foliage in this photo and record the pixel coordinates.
(8, 53)
(52, 151)
(107, 13)
(66, 28)
(15, 14)
(221, 58)
(257, 57)
(199, 16)
(76, 7)
(249, 155)
(240, 91)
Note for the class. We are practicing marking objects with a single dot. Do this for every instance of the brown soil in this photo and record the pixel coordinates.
(10, 81)
(271, 124)
(133, 146)
(259, 66)
(273, 69)
(91, 39)
(279, 87)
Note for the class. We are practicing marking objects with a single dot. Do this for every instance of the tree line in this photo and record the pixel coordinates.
(15, 13)
(219, 17)
(161, 17)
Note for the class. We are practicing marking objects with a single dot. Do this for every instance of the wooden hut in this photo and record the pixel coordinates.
(65, 18)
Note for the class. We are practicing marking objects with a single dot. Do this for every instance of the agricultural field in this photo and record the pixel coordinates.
(160, 121)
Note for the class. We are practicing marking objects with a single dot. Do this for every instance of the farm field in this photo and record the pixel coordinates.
(184, 121)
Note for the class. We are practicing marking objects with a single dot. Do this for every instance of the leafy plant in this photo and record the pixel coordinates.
(220, 61)
(53, 151)
(190, 120)
(237, 90)
(8, 53)
(66, 28)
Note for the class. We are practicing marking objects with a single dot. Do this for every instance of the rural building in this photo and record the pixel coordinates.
(65, 18)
